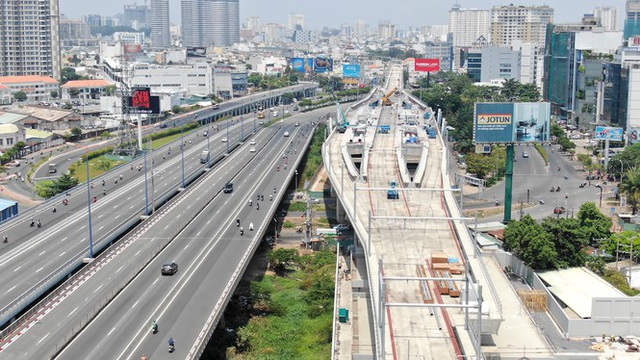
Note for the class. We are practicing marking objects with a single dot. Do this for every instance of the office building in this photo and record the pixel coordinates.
(296, 22)
(253, 23)
(632, 19)
(136, 16)
(159, 19)
(571, 68)
(30, 43)
(196, 79)
(608, 17)
(493, 63)
(526, 23)
(302, 36)
(468, 25)
(210, 22)
(74, 30)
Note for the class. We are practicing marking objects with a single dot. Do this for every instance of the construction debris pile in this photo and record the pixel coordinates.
(618, 343)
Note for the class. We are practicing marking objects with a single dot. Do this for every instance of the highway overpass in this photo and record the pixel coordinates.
(197, 230)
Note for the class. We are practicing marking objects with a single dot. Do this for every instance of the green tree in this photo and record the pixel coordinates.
(569, 241)
(76, 132)
(74, 59)
(593, 223)
(621, 243)
(110, 90)
(20, 96)
(280, 259)
(530, 242)
(74, 92)
(104, 164)
(54, 94)
(69, 74)
(65, 182)
(630, 186)
(176, 109)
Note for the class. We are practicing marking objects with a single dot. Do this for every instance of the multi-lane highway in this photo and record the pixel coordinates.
(208, 251)
(50, 252)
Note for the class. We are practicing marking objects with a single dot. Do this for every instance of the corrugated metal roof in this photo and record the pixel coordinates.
(6, 203)
(577, 287)
(8, 129)
(86, 84)
(46, 114)
(10, 118)
(26, 79)
(37, 134)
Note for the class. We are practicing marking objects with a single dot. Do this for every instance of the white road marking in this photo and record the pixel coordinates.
(37, 271)
(44, 252)
(155, 282)
(109, 333)
(18, 268)
(98, 288)
(14, 286)
(134, 305)
(74, 310)
(120, 268)
(44, 337)
(62, 254)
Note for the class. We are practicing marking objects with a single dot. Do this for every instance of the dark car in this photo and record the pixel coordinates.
(169, 268)
(162, 126)
(559, 210)
(228, 188)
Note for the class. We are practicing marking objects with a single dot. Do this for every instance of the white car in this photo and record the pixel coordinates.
(297, 124)
(252, 142)
(253, 149)
(342, 227)
(224, 139)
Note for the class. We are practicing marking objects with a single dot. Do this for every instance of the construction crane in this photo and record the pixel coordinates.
(385, 99)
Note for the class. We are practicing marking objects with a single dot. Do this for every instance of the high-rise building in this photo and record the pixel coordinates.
(210, 22)
(493, 63)
(361, 27)
(234, 22)
(468, 25)
(30, 38)
(253, 24)
(296, 22)
(136, 16)
(159, 19)
(526, 23)
(632, 19)
(608, 16)
(386, 31)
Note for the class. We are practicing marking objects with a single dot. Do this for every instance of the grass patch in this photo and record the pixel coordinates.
(543, 153)
(158, 143)
(288, 225)
(298, 312)
(297, 206)
(323, 221)
(95, 169)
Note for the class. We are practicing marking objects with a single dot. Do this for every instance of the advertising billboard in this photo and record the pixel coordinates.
(608, 133)
(141, 102)
(322, 65)
(303, 65)
(634, 133)
(351, 70)
(427, 65)
(512, 123)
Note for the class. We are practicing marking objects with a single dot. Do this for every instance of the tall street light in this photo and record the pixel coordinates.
(182, 140)
(227, 135)
(296, 181)
(600, 187)
(89, 209)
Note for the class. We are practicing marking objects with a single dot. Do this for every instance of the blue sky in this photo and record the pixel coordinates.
(332, 13)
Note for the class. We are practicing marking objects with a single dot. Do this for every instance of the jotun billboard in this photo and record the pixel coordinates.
(512, 123)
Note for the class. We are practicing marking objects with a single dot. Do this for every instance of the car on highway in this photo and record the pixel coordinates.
(228, 188)
(525, 154)
(286, 134)
(260, 122)
(342, 227)
(252, 142)
(252, 149)
(297, 124)
(559, 210)
(162, 126)
(224, 139)
(169, 268)
(205, 133)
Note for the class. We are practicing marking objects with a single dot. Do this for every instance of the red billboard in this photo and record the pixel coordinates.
(427, 65)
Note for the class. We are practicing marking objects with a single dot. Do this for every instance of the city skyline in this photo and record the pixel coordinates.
(414, 13)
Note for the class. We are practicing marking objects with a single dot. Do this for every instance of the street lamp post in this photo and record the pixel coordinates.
(227, 136)
(600, 187)
(89, 210)
(296, 181)
(183, 146)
